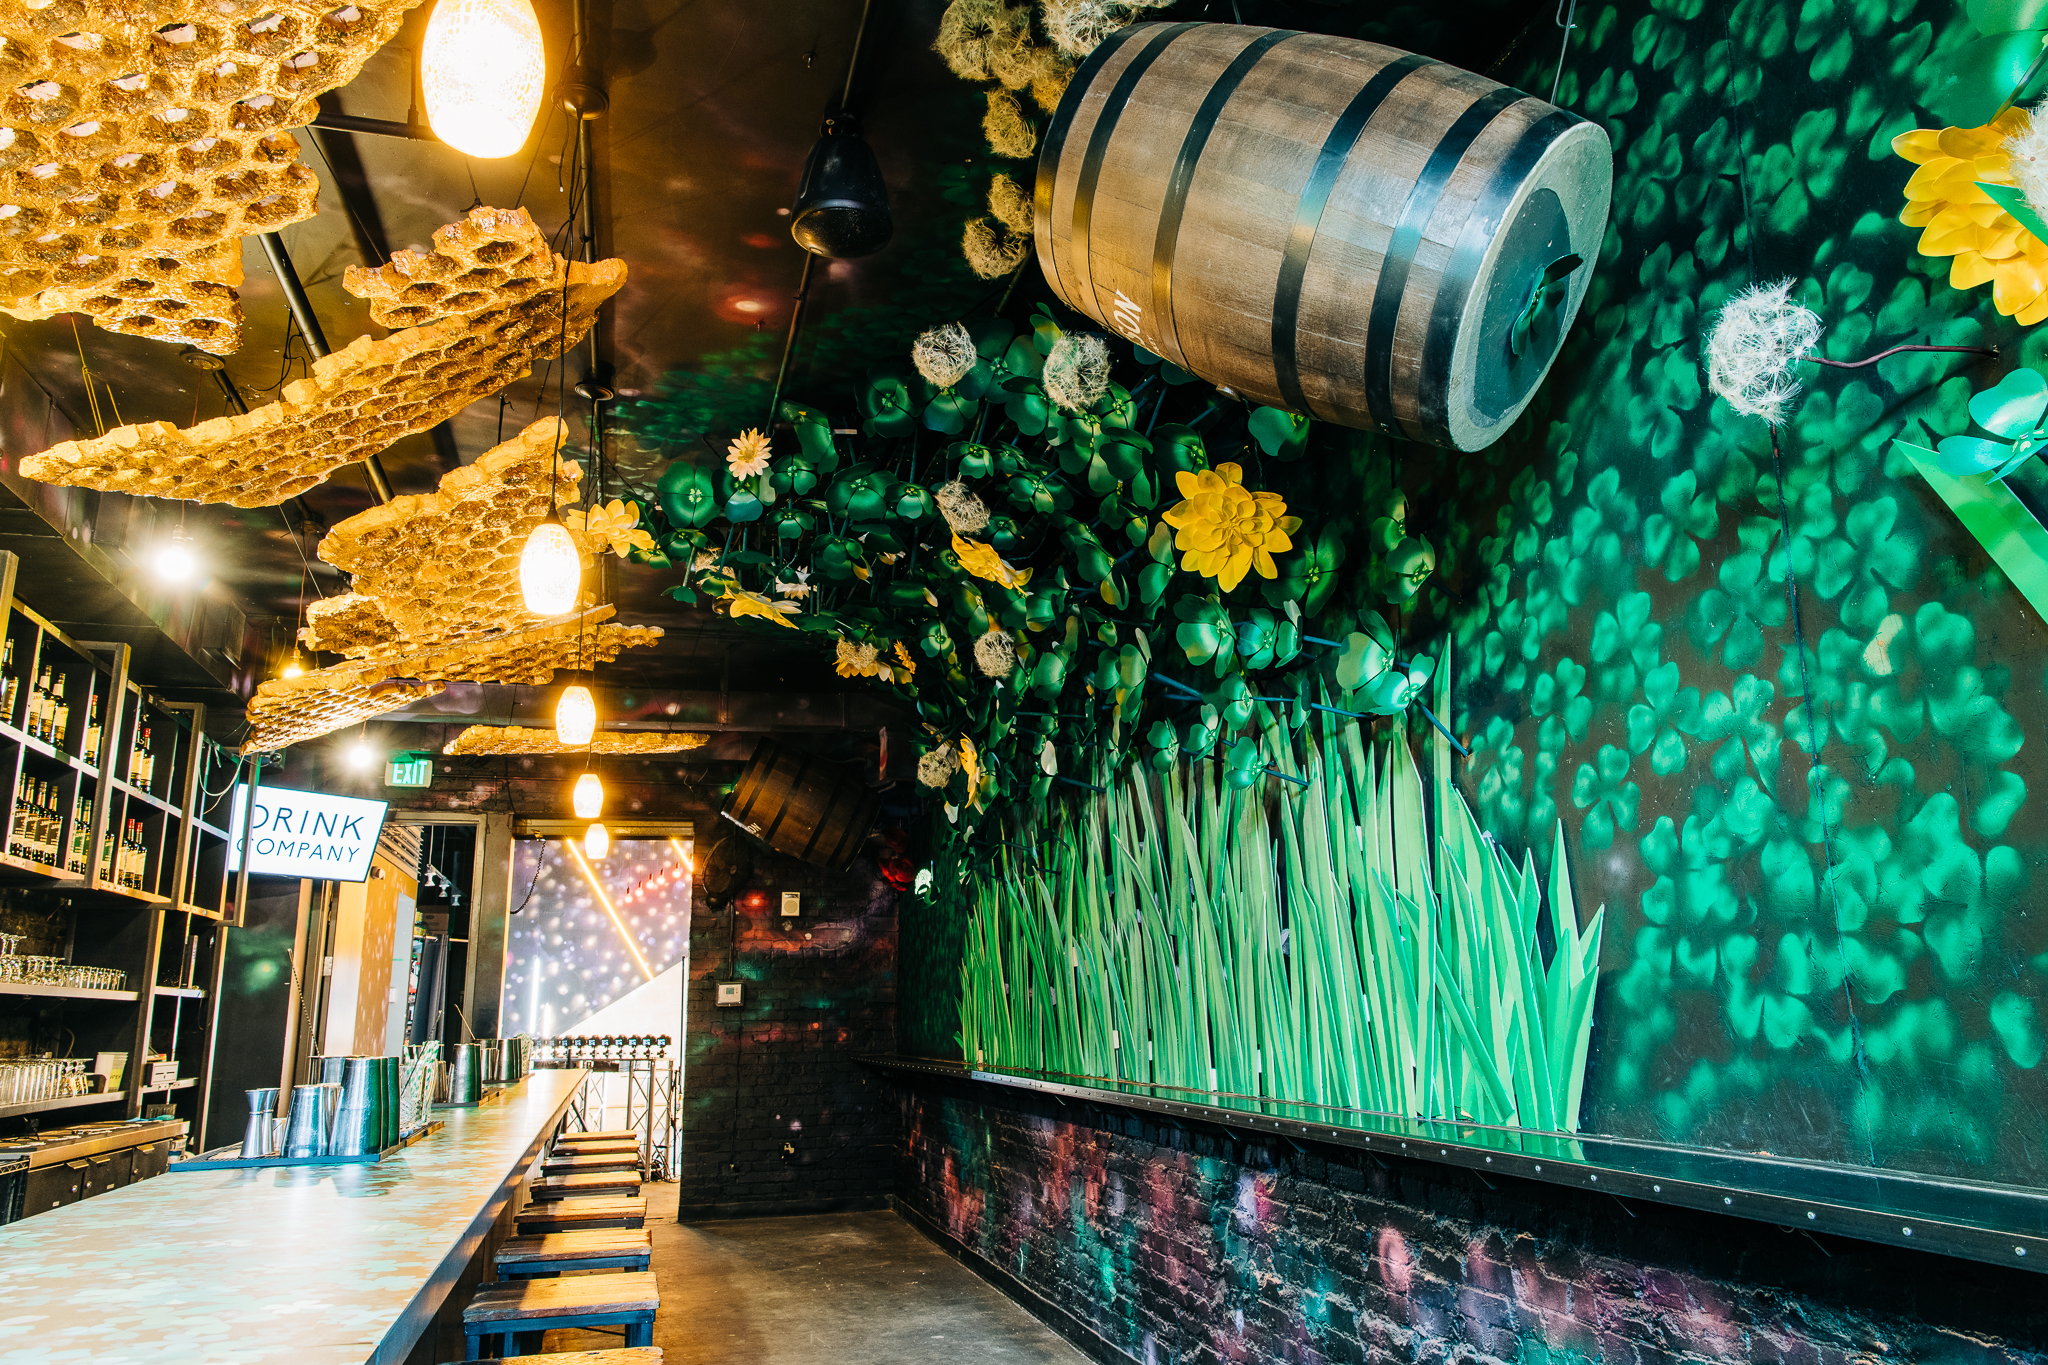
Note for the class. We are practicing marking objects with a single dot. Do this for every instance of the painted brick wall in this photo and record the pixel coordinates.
(778, 1117)
(1152, 1242)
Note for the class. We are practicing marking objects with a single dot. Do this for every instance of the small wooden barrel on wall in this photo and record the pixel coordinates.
(1328, 226)
(802, 805)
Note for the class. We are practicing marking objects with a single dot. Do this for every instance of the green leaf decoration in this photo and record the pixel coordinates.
(2014, 201)
(1545, 295)
(687, 495)
(1279, 433)
(886, 404)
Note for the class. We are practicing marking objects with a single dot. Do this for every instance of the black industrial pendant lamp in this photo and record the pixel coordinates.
(842, 206)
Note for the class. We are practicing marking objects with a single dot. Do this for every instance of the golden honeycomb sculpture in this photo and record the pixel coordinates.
(139, 142)
(441, 566)
(495, 740)
(287, 710)
(487, 260)
(355, 403)
(280, 716)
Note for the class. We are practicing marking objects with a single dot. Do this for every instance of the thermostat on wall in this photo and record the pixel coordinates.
(792, 903)
(729, 992)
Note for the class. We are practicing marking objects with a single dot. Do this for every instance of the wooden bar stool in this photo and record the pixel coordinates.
(521, 1258)
(581, 1215)
(620, 1355)
(592, 1161)
(582, 1184)
(507, 1311)
(607, 1135)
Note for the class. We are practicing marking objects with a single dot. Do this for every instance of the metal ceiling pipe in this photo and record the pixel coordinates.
(376, 127)
(316, 340)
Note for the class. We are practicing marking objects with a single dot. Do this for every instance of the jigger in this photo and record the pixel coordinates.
(305, 1133)
(256, 1138)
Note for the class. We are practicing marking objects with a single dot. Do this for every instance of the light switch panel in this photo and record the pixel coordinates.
(729, 992)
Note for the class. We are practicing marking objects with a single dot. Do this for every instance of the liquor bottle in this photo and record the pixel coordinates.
(46, 704)
(81, 836)
(53, 826)
(90, 750)
(41, 824)
(60, 721)
(142, 764)
(17, 827)
(138, 855)
(10, 683)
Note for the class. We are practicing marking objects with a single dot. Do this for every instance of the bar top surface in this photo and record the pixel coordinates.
(312, 1265)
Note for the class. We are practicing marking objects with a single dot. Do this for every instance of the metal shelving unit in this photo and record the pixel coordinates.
(113, 813)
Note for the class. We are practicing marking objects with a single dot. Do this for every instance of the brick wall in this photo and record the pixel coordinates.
(778, 1117)
(1152, 1242)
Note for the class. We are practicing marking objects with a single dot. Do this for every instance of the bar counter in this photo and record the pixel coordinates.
(321, 1265)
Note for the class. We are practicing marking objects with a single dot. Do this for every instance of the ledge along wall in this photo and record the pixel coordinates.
(1780, 697)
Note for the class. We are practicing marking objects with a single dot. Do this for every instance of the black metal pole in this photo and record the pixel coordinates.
(316, 339)
(376, 127)
(796, 322)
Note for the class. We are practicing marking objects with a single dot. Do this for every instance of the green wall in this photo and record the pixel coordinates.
(1781, 701)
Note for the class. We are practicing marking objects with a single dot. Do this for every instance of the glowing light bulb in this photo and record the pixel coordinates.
(597, 841)
(292, 667)
(174, 560)
(360, 756)
(550, 571)
(588, 797)
(575, 716)
(483, 70)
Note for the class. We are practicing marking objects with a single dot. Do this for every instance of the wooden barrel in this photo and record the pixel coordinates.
(802, 805)
(1328, 226)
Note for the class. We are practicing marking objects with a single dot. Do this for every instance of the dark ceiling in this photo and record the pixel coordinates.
(713, 105)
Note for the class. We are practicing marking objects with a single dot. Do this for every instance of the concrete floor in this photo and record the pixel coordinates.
(830, 1289)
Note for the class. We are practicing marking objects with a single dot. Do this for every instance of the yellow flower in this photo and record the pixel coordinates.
(1227, 530)
(861, 661)
(907, 666)
(610, 527)
(747, 455)
(983, 562)
(970, 763)
(1960, 220)
(743, 603)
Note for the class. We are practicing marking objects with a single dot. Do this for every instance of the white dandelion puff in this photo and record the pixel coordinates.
(963, 511)
(1753, 352)
(1077, 372)
(944, 354)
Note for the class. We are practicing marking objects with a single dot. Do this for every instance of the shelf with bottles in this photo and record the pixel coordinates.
(54, 692)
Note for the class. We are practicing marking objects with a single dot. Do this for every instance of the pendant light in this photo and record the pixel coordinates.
(588, 797)
(575, 717)
(842, 204)
(550, 571)
(483, 72)
(597, 841)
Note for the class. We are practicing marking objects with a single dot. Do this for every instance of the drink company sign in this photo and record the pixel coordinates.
(307, 834)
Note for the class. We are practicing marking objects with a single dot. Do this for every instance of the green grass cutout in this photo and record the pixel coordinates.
(1321, 944)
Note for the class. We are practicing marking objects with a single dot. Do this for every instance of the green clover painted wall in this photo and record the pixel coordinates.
(1781, 698)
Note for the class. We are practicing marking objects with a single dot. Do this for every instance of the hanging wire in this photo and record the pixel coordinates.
(1567, 10)
(92, 397)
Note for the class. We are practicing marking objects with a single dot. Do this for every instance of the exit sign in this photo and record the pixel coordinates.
(409, 770)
